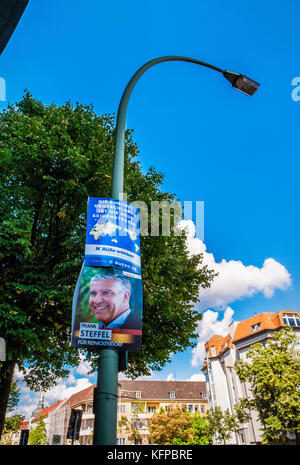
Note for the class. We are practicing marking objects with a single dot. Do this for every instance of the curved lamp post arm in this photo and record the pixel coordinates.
(118, 168)
(107, 382)
(239, 81)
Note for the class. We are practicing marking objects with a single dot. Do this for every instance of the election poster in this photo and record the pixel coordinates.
(107, 309)
(112, 235)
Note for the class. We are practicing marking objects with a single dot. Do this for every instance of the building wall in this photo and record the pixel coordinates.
(135, 409)
(57, 423)
(141, 416)
(223, 385)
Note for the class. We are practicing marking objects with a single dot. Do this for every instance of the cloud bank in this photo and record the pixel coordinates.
(235, 280)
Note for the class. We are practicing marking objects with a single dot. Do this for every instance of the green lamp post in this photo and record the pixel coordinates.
(106, 392)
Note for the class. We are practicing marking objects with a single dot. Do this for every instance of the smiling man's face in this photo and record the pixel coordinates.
(108, 299)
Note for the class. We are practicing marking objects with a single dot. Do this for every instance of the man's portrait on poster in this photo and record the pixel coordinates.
(109, 301)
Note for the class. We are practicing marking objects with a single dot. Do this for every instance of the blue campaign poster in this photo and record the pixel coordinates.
(112, 234)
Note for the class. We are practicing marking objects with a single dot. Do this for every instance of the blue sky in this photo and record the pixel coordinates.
(238, 154)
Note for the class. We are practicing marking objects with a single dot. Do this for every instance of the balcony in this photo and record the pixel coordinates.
(86, 431)
(142, 416)
(88, 416)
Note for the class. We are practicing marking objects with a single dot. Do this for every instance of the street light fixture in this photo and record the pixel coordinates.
(242, 83)
(106, 392)
(10, 14)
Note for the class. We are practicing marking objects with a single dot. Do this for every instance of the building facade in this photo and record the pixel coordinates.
(137, 402)
(221, 353)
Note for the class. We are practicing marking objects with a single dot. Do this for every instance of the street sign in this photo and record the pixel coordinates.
(56, 439)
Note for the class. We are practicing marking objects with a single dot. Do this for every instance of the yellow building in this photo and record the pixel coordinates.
(137, 401)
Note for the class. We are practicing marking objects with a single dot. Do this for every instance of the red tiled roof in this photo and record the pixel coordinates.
(24, 425)
(265, 321)
(81, 396)
(46, 411)
(218, 343)
(160, 390)
(262, 322)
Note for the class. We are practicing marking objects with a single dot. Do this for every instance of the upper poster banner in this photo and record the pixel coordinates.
(112, 234)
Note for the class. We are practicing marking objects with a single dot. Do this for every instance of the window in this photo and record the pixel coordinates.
(88, 408)
(121, 408)
(204, 395)
(172, 394)
(255, 327)
(291, 319)
(138, 394)
(190, 407)
(213, 351)
(151, 409)
(202, 408)
(241, 437)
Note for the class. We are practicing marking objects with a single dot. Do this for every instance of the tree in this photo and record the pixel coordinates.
(222, 424)
(52, 159)
(38, 433)
(166, 426)
(131, 428)
(273, 374)
(201, 432)
(14, 396)
(11, 426)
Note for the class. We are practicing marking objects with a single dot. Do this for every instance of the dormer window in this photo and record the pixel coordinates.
(138, 394)
(291, 319)
(255, 327)
(172, 394)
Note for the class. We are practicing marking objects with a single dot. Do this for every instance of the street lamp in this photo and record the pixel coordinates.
(11, 12)
(241, 82)
(106, 393)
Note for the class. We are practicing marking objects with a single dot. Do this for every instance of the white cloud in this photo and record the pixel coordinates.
(84, 366)
(170, 377)
(26, 408)
(235, 280)
(62, 390)
(207, 327)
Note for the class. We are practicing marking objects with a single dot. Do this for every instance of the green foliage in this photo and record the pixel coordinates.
(14, 396)
(273, 373)
(52, 159)
(11, 425)
(221, 424)
(201, 432)
(131, 428)
(38, 433)
(166, 426)
(178, 426)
